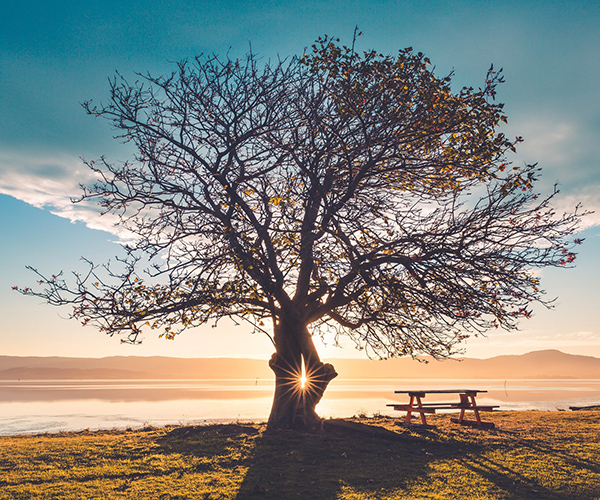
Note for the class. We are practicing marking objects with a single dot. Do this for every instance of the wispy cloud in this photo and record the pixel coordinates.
(547, 142)
(589, 198)
(563, 145)
(50, 182)
(565, 149)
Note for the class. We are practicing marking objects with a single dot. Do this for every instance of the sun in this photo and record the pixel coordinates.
(303, 378)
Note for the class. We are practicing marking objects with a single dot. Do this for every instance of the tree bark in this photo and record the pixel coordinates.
(294, 402)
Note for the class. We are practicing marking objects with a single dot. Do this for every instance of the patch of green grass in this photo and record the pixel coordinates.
(529, 455)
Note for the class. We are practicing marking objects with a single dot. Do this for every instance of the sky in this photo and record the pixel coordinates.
(55, 55)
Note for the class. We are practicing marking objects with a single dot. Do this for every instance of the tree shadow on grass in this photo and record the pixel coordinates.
(514, 484)
(359, 457)
(521, 479)
(593, 466)
(347, 455)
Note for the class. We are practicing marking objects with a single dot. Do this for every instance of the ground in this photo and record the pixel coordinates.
(530, 455)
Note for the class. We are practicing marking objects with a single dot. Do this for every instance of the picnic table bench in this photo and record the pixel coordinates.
(466, 403)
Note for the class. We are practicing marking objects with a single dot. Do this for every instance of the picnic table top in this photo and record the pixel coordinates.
(440, 391)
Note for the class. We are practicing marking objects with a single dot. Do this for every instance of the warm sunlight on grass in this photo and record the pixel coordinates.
(530, 455)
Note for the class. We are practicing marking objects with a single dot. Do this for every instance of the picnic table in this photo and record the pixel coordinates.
(466, 403)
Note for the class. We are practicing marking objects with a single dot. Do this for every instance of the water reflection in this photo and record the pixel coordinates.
(54, 405)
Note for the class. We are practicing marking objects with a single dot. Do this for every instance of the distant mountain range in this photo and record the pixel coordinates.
(534, 365)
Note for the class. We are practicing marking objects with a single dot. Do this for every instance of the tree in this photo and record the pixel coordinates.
(330, 194)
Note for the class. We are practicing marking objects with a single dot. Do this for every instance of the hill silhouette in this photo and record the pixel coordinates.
(534, 365)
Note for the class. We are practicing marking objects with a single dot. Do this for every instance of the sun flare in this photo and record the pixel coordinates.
(303, 375)
(301, 380)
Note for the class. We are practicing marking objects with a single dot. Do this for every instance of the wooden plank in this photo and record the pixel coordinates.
(442, 391)
(439, 406)
(444, 405)
(413, 409)
(480, 408)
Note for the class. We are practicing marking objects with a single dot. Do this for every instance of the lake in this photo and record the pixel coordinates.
(56, 405)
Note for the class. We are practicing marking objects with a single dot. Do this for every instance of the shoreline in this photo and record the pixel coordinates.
(376, 417)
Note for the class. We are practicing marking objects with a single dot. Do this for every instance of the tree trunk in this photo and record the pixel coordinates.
(295, 400)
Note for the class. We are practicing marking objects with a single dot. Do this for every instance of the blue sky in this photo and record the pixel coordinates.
(55, 55)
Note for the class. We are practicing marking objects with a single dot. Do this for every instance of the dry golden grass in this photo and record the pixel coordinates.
(530, 455)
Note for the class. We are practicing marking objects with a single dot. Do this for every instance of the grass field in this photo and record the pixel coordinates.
(530, 455)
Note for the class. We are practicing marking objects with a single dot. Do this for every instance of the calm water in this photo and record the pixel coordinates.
(51, 406)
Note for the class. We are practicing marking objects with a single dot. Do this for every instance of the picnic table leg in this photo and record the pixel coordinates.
(419, 405)
(475, 410)
(463, 401)
(408, 412)
(415, 398)
(467, 402)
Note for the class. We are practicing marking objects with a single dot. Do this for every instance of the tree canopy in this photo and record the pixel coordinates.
(335, 194)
